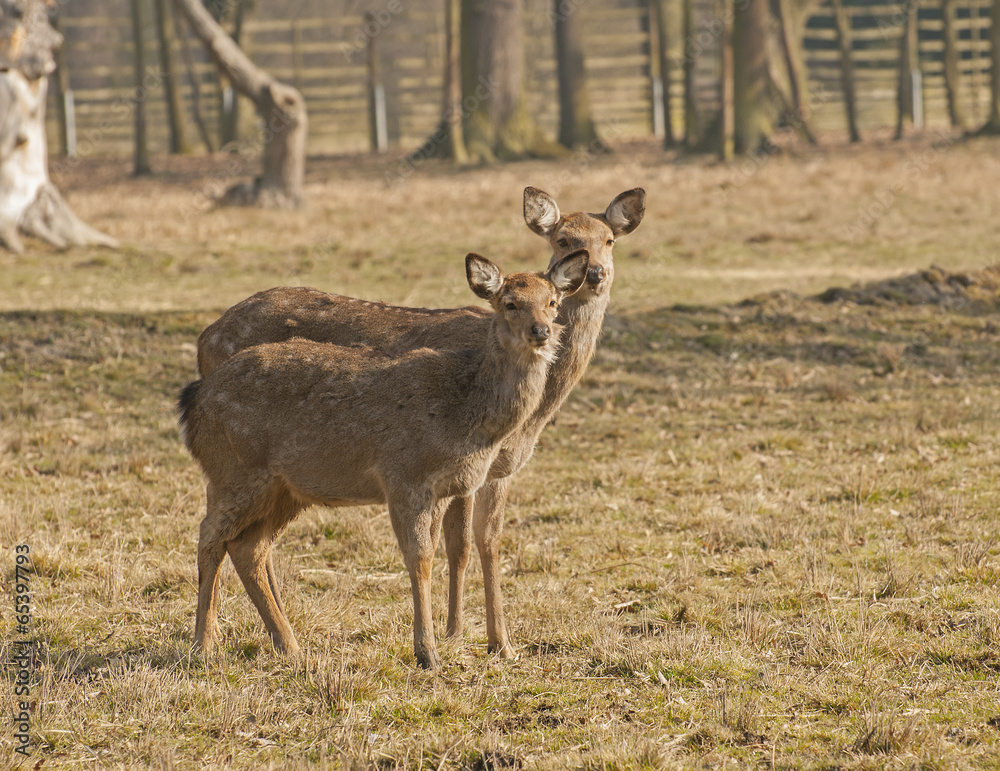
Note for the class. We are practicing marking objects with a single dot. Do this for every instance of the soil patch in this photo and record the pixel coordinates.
(979, 290)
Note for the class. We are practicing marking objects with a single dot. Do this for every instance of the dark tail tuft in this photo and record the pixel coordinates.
(186, 402)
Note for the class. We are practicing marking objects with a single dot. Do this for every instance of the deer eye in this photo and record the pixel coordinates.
(511, 307)
(552, 303)
(563, 242)
(611, 242)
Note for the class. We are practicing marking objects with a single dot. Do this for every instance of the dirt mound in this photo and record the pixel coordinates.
(935, 286)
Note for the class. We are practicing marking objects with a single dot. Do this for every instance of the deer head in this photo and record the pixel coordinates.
(567, 233)
(527, 304)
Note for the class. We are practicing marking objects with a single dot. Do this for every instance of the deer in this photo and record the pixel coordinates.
(282, 426)
(285, 312)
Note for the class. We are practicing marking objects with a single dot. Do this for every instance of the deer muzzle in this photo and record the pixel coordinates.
(540, 332)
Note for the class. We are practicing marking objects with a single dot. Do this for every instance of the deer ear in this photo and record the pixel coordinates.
(540, 212)
(485, 278)
(569, 273)
(625, 212)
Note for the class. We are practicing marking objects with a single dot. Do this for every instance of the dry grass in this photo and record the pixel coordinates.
(759, 534)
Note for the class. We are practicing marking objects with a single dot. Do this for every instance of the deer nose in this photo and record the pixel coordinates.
(595, 275)
(540, 331)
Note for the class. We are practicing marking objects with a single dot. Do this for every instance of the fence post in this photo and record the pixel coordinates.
(692, 129)
(64, 101)
(376, 92)
(845, 44)
(659, 70)
(171, 91)
(297, 62)
(952, 65)
(911, 96)
(727, 113)
(140, 95)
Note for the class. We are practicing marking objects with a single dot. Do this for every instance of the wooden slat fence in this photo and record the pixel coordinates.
(320, 46)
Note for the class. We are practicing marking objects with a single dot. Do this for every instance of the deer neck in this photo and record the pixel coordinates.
(582, 322)
(508, 386)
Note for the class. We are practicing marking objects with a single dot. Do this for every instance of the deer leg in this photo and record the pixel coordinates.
(491, 500)
(211, 552)
(285, 508)
(250, 552)
(458, 544)
(415, 523)
(272, 582)
(212, 536)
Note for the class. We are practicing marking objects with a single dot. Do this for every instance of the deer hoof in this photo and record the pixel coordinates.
(287, 648)
(429, 660)
(504, 650)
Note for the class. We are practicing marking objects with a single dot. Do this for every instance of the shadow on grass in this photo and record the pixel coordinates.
(942, 324)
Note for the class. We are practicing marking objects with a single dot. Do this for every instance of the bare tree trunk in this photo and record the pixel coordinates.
(844, 44)
(907, 66)
(61, 81)
(663, 60)
(952, 73)
(992, 125)
(175, 107)
(229, 111)
(692, 127)
(798, 77)
(727, 107)
(141, 164)
(754, 111)
(498, 125)
(789, 49)
(196, 113)
(452, 117)
(448, 141)
(29, 202)
(576, 119)
(281, 107)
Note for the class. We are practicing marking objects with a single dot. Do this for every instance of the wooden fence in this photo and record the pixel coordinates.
(877, 31)
(320, 46)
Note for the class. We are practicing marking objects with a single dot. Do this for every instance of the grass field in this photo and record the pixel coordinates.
(762, 533)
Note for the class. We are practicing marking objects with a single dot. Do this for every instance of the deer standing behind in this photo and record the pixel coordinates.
(282, 426)
(285, 312)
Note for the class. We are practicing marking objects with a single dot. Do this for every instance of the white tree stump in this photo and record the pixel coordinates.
(29, 202)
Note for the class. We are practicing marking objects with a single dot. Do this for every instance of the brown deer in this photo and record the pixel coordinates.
(282, 313)
(281, 426)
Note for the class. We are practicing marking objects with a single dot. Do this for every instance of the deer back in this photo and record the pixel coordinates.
(282, 313)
